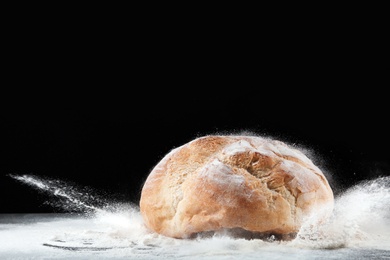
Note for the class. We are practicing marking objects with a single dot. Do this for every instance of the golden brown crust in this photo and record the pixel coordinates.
(227, 182)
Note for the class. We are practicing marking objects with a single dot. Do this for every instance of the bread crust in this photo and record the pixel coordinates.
(220, 182)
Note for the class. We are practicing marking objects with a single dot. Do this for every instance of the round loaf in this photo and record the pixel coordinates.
(219, 182)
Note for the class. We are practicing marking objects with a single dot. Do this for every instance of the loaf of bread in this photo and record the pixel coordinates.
(222, 182)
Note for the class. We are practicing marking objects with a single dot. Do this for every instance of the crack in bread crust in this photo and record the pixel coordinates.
(265, 168)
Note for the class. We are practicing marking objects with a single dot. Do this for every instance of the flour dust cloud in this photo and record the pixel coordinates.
(361, 219)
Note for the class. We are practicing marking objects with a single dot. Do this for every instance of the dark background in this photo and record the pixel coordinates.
(98, 105)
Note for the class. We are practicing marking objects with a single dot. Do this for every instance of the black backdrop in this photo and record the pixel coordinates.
(98, 102)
